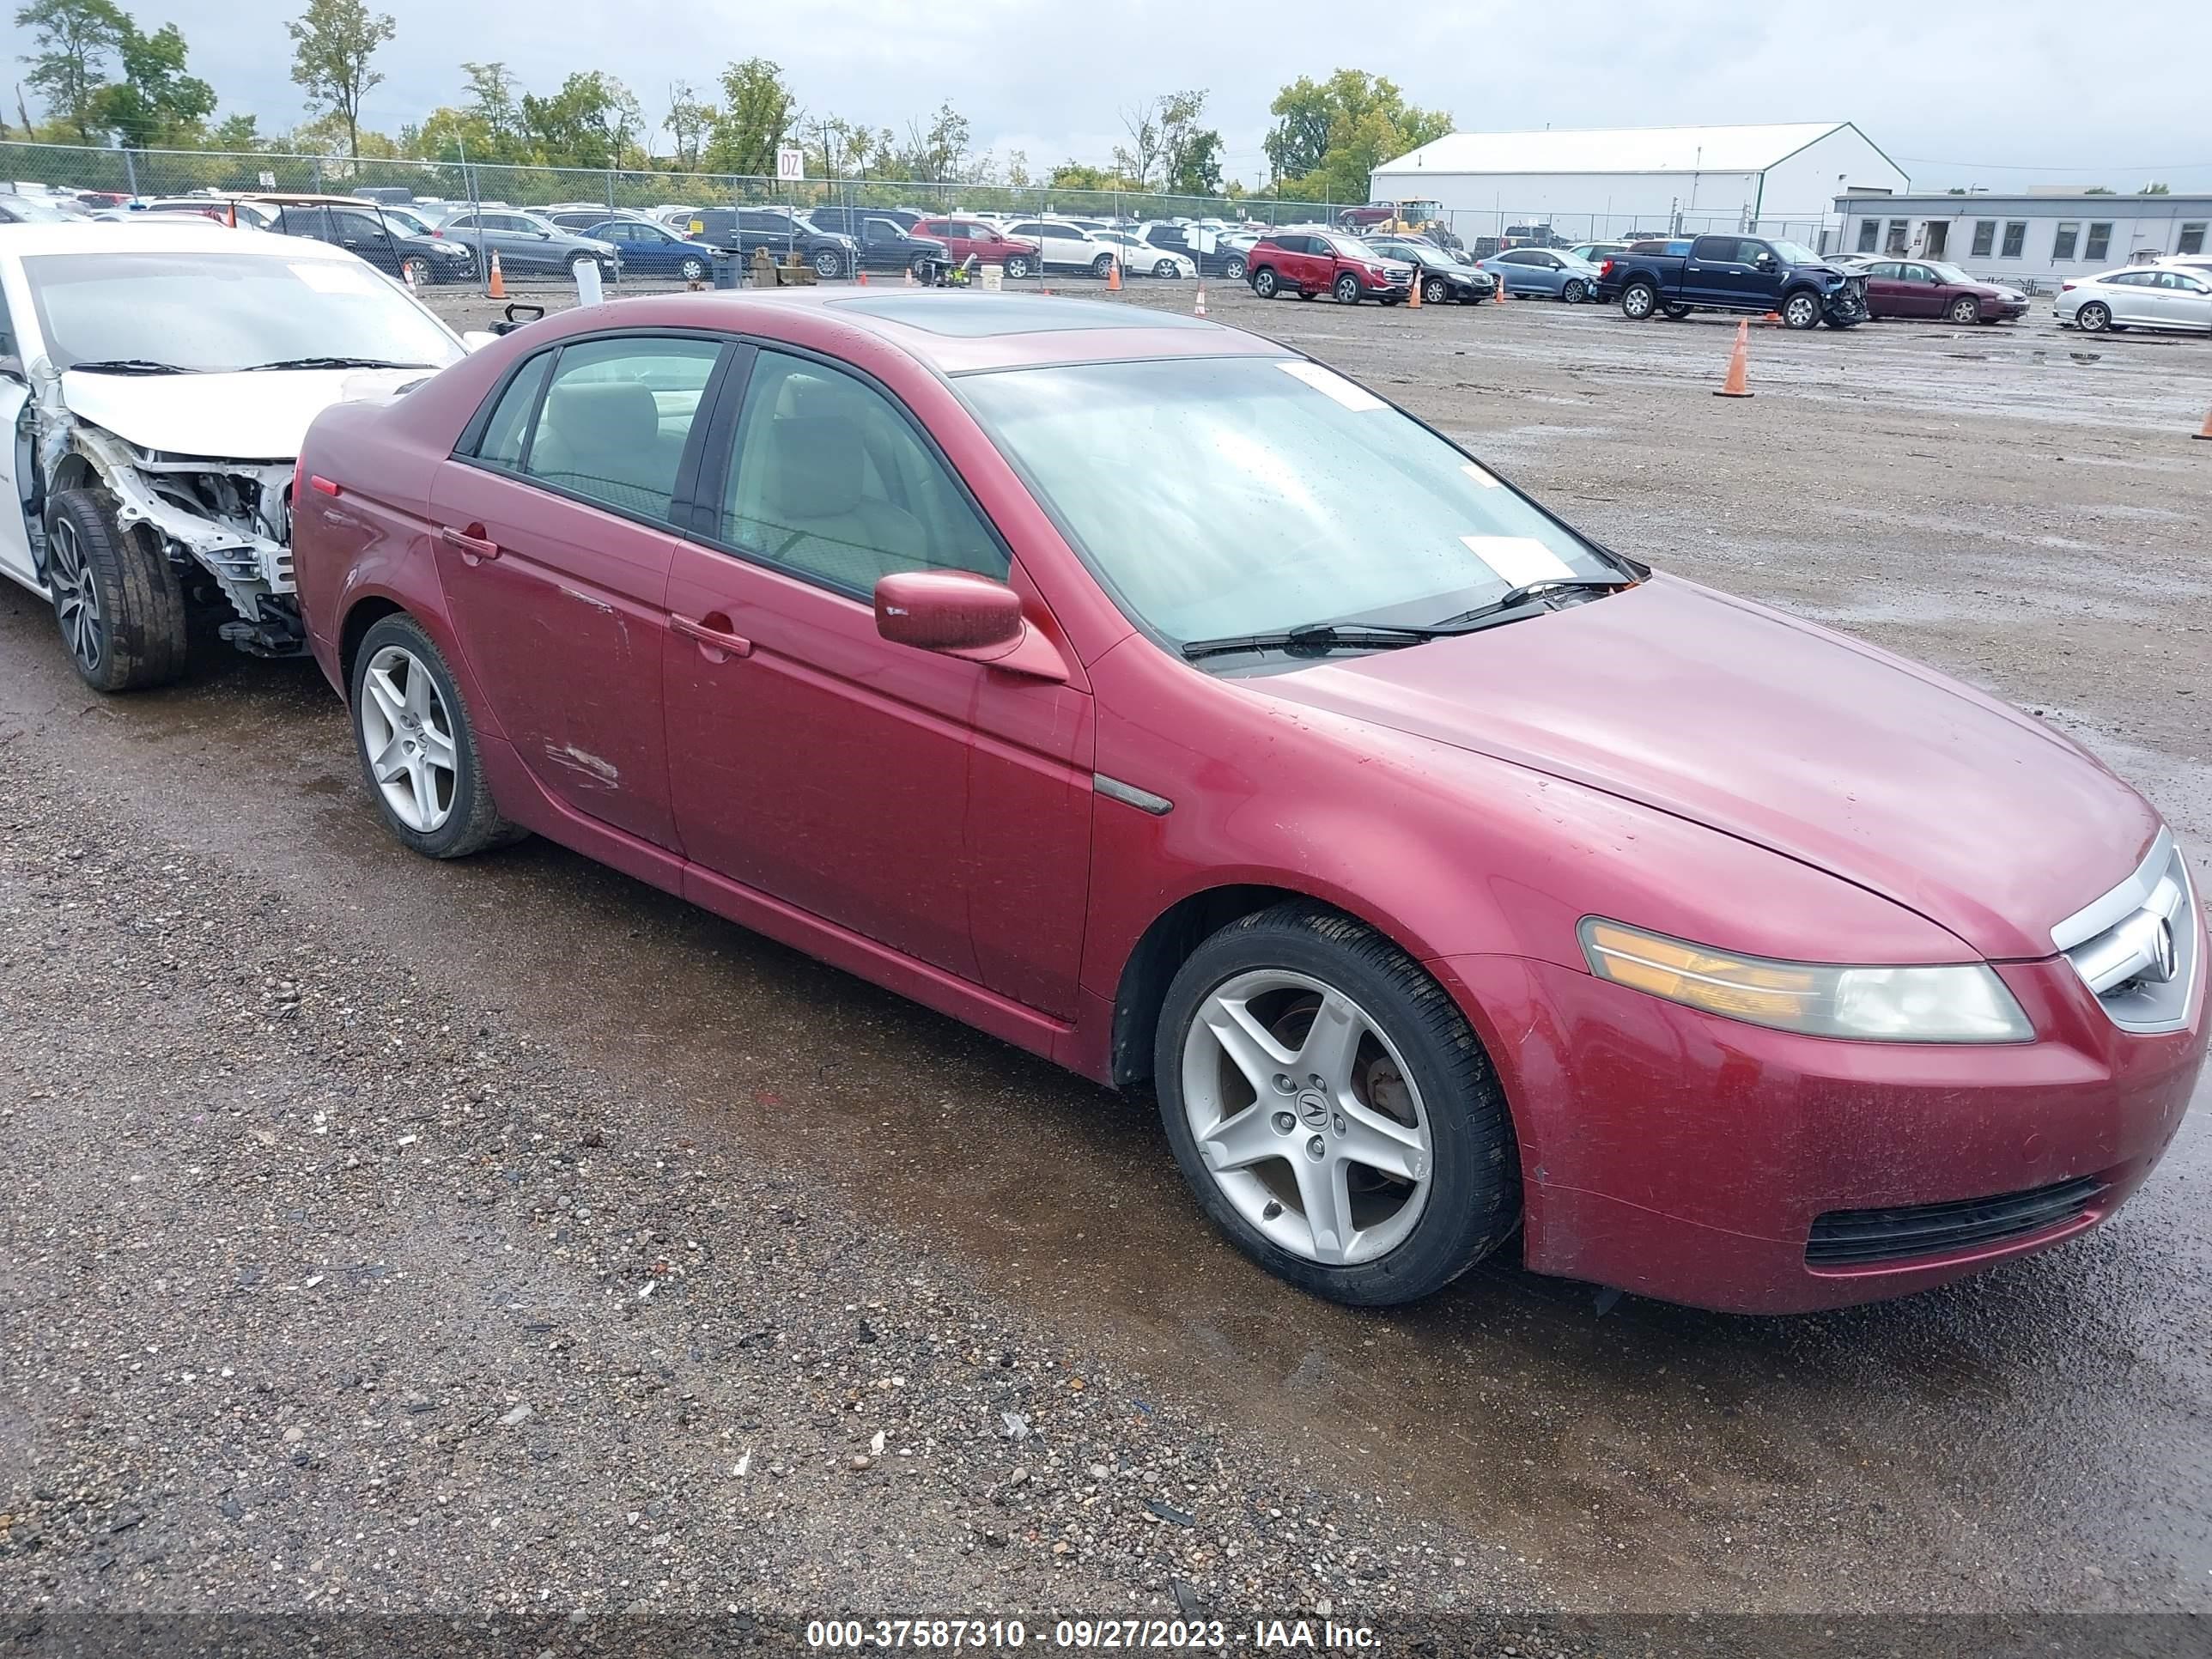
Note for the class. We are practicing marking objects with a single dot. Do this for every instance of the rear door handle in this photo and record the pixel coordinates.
(713, 638)
(473, 545)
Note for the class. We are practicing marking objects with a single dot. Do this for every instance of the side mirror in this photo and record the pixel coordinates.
(954, 613)
(1764, 259)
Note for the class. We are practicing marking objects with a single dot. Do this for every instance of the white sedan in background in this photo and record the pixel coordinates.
(2137, 296)
(161, 375)
(1140, 259)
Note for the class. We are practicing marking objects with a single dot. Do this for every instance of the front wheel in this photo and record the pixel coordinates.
(117, 599)
(1166, 268)
(1264, 284)
(2093, 317)
(1347, 290)
(418, 746)
(1638, 300)
(1576, 291)
(1433, 292)
(692, 270)
(1331, 1107)
(1965, 309)
(1802, 310)
(828, 264)
(1016, 267)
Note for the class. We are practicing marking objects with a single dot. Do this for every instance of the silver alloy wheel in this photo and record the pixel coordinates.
(1636, 304)
(1965, 310)
(1166, 268)
(1234, 270)
(1016, 267)
(1263, 284)
(826, 264)
(1432, 291)
(2092, 319)
(692, 270)
(1575, 293)
(1307, 1117)
(407, 735)
(1802, 312)
(76, 595)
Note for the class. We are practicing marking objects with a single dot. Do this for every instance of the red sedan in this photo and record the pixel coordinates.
(1931, 289)
(1451, 882)
(983, 240)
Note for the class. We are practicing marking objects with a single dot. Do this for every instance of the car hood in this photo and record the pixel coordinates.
(252, 417)
(1781, 733)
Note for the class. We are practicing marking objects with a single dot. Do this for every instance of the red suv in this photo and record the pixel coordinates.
(1295, 262)
(984, 240)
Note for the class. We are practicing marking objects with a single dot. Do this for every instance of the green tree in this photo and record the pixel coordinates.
(157, 102)
(1079, 175)
(757, 114)
(2155, 190)
(1330, 137)
(75, 41)
(332, 42)
(1190, 154)
(688, 120)
(592, 121)
(937, 153)
(237, 133)
(495, 112)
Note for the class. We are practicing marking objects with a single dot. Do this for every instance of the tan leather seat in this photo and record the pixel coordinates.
(603, 439)
(802, 504)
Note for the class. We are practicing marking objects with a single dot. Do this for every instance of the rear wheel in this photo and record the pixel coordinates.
(1017, 266)
(1638, 300)
(117, 599)
(1264, 284)
(1347, 290)
(1333, 1110)
(1234, 268)
(1965, 309)
(417, 746)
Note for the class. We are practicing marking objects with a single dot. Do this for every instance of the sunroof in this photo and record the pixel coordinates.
(977, 316)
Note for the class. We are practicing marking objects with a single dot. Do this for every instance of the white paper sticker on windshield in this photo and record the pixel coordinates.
(1329, 383)
(336, 277)
(1519, 560)
(1480, 477)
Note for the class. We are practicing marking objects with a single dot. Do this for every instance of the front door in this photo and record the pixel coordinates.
(1922, 291)
(556, 536)
(937, 806)
(365, 236)
(14, 454)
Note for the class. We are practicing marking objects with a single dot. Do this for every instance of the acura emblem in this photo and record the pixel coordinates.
(2164, 964)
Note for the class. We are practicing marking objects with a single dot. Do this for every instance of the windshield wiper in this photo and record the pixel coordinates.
(331, 362)
(1514, 597)
(1315, 637)
(133, 366)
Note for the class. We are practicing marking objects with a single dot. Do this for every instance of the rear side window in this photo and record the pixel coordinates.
(615, 417)
(1720, 250)
(504, 435)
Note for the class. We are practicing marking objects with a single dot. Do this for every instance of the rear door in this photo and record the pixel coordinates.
(1713, 273)
(1885, 295)
(556, 525)
(939, 807)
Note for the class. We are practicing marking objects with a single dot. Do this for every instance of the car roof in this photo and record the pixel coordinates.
(950, 332)
(160, 233)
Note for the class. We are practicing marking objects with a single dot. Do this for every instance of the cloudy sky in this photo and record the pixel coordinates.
(2002, 95)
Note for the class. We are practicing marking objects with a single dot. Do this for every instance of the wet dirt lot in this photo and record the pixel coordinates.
(2021, 507)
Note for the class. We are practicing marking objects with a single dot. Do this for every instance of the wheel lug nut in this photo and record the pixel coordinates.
(1314, 1149)
(1314, 1080)
(1338, 1119)
(1283, 1084)
(1284, 1123)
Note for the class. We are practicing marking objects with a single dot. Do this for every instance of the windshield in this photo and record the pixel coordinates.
(1351, 250)
(1948, 273)
(219, 310)
(40, 213)
(406, 221)
(1219, 496)
(1794, 253)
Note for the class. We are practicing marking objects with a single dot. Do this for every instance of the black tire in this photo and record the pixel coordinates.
(2093, 317)
(1166, 268)
(118, 600)
(474, 822)
(1347, 290)
(1802, 310)
(1103, 266)
(692, 269)
(1965, 309)
(1576, 292)
(828, 264)
(1433, 292)
(1016, 267)
(1639, 301)
(1234, 268)
(1265, 283)
(1675, 313)
(1475, 1197)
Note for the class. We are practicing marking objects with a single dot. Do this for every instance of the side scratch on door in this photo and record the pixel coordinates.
(584, 764)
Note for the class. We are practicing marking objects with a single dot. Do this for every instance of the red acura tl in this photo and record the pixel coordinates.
(1443, 872)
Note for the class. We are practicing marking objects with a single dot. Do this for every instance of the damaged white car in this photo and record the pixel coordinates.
(157, 380)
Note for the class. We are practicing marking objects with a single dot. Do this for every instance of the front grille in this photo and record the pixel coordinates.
(1851, 1238)
(2138, 947)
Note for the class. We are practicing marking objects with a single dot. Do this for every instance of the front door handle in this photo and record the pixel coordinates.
(714, 634)
(473, 545)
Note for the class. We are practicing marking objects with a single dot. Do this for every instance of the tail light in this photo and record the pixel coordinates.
(2066, 288)
(1605, 267)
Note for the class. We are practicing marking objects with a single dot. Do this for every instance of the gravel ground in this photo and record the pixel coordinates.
(507, 1239)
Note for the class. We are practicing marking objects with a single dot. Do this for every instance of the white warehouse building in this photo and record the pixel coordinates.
(1782, 180)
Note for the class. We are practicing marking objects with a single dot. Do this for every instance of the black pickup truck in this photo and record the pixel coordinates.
(1735, 273)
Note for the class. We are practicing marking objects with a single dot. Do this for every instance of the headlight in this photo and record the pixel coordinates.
(1966, 1003)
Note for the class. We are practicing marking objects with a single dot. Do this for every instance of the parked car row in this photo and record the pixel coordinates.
(895, 638)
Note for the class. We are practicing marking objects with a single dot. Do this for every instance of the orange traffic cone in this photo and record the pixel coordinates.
(1500, 295)
(1199, 309)
(1414, 294)
(1114, 277)
(909, 276)
(407, 274)
(2207, 432)
(861, 278)
(498, 288)
(1771, 320)
(1739, 367)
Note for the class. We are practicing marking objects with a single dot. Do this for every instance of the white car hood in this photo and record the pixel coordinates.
(260, 417)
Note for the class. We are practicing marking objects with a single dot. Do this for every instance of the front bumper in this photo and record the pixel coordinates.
(1686, 1157)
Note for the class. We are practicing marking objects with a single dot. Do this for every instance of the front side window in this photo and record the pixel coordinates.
(1985, 237)
(830, 482)
(2015, 238)
(616, 414)
(1870, 235)
(2063, 241)
(2100, 241)
(1345, 509)
(214, 311)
